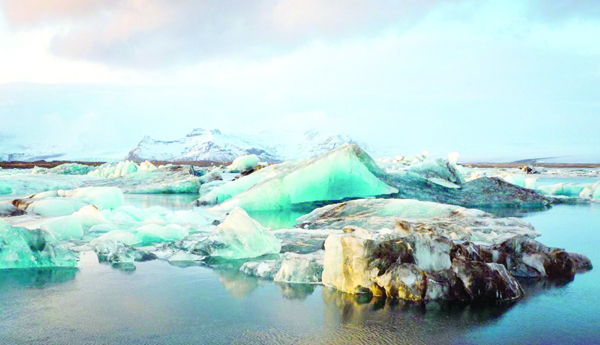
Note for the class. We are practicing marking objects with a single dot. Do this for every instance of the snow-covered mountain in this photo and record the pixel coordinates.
(199, 145)
(12, 149)
(212, 145)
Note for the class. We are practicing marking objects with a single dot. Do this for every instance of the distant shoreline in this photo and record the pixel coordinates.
(52, 164)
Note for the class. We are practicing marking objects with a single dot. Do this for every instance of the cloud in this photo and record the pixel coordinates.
(150, 33)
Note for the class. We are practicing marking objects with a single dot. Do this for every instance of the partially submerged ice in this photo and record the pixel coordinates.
(19, 183)
(346, 172)
(589, 191)
(425, 266)
(115, 170)
(24, 248)
(349, 173)
(416, 251)
(65, 169)
(166, 179)
(289, 268)
(65, 202)
(240, 236)
(244, 164)
(405, 215)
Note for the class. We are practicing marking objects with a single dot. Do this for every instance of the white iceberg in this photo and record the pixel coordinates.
(240, 236)
(244, 164)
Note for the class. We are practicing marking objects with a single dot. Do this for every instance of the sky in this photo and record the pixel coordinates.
(494, 80)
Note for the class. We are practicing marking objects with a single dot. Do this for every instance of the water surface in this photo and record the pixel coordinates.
(160, 303)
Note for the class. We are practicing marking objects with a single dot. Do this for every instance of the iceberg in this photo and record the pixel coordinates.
(65, 202)
(289, 268)
(298, 268)
(571, 190)
(116, 253)
(24, 248)
(346, 172)
(145, 235)
(427, 266)
(523, 181)
(349, 173)
(228, 190)
(166, 179)
(115, 170)
(406, 216)
(62, 228)
(20, 182)
(244, 164)
(240, 236)
(65, 169)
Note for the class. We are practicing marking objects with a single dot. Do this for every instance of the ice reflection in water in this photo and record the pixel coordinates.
(160, 303)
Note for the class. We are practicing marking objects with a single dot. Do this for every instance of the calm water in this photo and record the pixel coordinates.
(160, 303)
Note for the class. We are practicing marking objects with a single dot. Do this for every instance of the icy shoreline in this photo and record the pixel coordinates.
(387, 231)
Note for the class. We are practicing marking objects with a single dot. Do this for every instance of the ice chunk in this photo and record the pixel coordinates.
(393, 268)
(145, 234)
(166, 179)
(102, 197)
(147, 166)
(206, 188)
(153, 233)
(240, 236)
(265, 269)
(51, 206)
(115, 170)
(562, 189)
(8, 209)
(115, 253)
(453, 157)
(346, 172)
(245, 163)
(431, 253)
(523, 181)
(213, 175)
(64, 228)
(182, 256)
(61, 203)
(289, 268)
(233, 188)
(23, 248)
(24, 183)
(437, 171)
(65, 169)
(297, 268)
(126, 237)
(413, 216)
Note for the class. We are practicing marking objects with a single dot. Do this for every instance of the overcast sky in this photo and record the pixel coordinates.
(498, 79)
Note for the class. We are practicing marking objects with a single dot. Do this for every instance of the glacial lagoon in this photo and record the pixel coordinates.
(160, 302)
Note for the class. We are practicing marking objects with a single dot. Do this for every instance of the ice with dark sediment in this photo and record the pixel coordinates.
(424, 265)
(455, 222)
(346, 172)
(349, 173)
(403, 233)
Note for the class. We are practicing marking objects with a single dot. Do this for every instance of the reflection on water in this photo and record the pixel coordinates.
(36, 278)
(159, 303)
(296, 291)
(238, 285)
